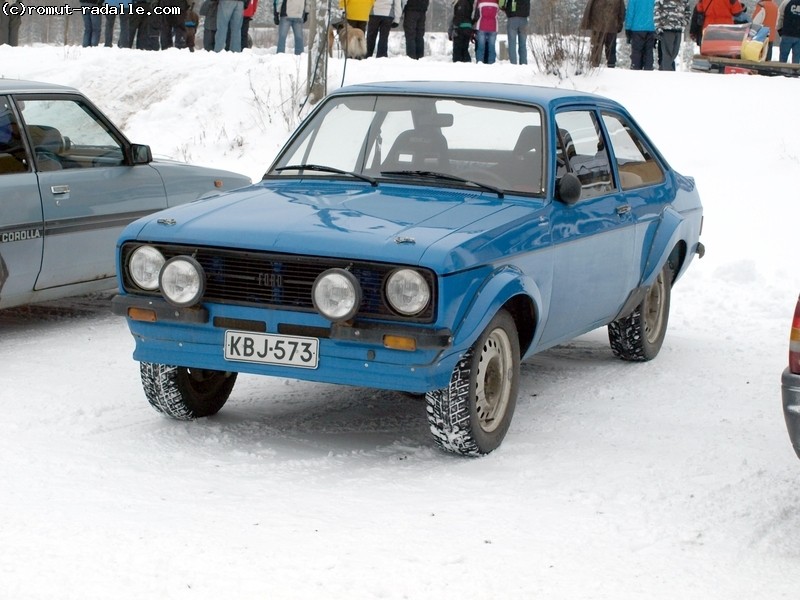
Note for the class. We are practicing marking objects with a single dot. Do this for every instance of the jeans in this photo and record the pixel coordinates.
(378, 31)
(296, 23)
(789, 43)
(91, 28)
(517, 29)
(229, 17)
(485, 46)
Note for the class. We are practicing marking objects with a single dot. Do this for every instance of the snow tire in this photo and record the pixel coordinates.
(638, 337)
(183, 393)
(472, 415)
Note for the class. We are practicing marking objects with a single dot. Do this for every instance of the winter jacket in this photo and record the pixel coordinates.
(387, 8)
(766, 14)
(672, 15)
(462, 14)
(250, 10)
(418, 5)
(516, 8)
(606, 16)
(356, 10)
(789, 18)
(640, 16)
(719, 12)
(485, 14)
(293, 9)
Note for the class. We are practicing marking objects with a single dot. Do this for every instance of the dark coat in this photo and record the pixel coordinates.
(604, 15)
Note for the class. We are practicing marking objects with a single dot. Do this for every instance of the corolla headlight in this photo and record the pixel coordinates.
(407, 292)
(336, 295)
(144, 265)
(182, 281)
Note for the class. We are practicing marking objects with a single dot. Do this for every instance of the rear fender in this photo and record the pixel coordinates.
(667, 237)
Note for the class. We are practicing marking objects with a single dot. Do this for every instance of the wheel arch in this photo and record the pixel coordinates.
(508, 289)
(668, 245)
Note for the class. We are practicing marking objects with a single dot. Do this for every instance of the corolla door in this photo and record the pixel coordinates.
(89, 190)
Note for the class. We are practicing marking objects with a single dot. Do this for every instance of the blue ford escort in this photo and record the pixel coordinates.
(416, 236)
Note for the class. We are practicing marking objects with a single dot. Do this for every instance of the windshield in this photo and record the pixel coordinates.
(386, 137)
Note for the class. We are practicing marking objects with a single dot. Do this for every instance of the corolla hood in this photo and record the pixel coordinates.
(391, 223)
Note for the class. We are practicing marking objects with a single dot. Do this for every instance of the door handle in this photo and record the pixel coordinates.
(59, 189)
(623, 210)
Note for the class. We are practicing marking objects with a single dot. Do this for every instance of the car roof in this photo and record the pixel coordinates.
(17, 86)
(512, 92)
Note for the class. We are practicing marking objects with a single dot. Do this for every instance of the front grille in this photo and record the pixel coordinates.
(284, 280)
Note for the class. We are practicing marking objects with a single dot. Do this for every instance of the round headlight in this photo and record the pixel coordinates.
(144, 265)
(182, 281)
(407, 291)
(336, 295)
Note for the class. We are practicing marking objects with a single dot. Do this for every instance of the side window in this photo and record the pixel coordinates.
(67, 134)
(581, 150)
(636, 164)
(13, 158)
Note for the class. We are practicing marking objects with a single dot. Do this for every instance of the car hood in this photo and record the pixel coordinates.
(391, 223)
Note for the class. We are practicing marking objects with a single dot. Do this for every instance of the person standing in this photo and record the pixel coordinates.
(173, 26)
(290, 13)
(486, 12)
(91, 23)
(208, 10)
(640, 31)
(604, 18)
(789, 30)
(671, 18)
(229, 23)
(517, 14)
(248, 14)
(384, 16)
(460, 31)
(766, 15)
(414, 27)
(9, 23)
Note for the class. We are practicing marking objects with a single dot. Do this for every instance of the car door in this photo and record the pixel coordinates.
(593, 239)
(89, 190)
(20, 210)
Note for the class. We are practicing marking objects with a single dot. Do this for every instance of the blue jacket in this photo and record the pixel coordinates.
(639, 15)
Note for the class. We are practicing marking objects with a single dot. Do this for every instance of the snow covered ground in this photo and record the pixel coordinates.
(666, 480)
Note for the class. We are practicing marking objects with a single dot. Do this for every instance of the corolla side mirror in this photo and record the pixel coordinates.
(141, 154)
(569, 188)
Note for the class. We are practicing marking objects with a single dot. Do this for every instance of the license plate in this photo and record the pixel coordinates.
(268, 349)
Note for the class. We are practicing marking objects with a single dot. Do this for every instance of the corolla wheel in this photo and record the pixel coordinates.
(183, 393)
(472, 415)
(640, 335)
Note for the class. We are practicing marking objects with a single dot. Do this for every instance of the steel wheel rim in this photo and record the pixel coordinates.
(654, 309)
(493, 380)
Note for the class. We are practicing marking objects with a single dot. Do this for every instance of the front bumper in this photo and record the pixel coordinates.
(790, 390)
(348, 354)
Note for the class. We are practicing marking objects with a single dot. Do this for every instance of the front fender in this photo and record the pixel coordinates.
(497, 290)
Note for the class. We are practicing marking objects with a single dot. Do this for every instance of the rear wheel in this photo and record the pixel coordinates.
(472, 415)
(639, 336)
(183, 393)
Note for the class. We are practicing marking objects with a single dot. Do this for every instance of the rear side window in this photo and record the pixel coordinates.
(636, 164)
(12, 150)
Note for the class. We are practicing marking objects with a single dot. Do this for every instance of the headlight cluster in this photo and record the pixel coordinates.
(337, 293)
(181, 279)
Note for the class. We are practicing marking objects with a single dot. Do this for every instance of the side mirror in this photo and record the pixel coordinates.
(568, 189)
(141, 154)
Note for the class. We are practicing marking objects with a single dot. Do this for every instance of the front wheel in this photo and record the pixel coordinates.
(639, 335)
(184, 393)
(472, 415)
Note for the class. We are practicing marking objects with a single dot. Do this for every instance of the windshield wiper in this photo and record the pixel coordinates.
(322, 168)
(447, 177)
